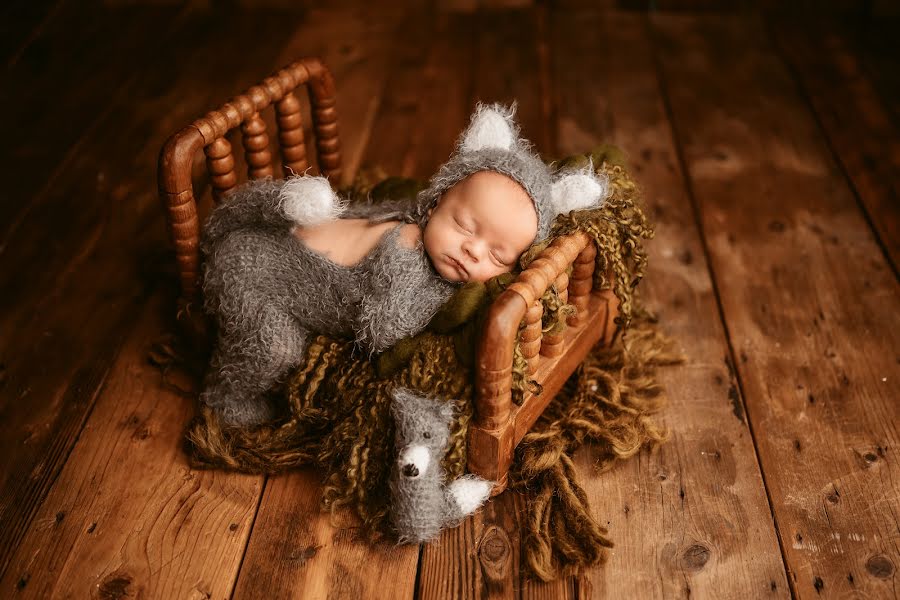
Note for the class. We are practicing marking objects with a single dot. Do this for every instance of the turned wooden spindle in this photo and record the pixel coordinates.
(256, 148)
(220, 164)
(552, 343)
(581, 283)
(530, 338)
(290, 135)
(496, 348)
(323, 103)
(562, 287)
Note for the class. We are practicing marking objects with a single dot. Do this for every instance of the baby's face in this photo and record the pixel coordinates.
(480, 227)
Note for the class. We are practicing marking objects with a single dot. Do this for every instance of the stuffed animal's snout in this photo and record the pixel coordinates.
(414, 460)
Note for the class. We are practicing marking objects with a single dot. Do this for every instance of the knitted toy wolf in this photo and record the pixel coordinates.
(421, 503)
(269, 291)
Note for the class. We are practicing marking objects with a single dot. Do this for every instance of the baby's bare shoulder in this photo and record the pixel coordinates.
(410, 235)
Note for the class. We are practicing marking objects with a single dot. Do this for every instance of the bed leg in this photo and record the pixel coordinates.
(490, 453)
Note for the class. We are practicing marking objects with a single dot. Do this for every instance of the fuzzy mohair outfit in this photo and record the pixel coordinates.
(268, 291)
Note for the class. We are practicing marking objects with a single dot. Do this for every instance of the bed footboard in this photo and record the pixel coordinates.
(499, 424)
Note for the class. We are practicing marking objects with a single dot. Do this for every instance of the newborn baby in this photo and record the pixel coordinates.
(286, 259)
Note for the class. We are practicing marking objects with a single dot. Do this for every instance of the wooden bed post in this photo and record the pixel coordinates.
(499, 425)
(208, 133)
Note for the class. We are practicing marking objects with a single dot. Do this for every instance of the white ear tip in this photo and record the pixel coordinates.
(578, 191)
(491, 127)
(309, 200)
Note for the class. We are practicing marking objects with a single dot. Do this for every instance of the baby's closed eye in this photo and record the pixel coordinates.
(464, 228)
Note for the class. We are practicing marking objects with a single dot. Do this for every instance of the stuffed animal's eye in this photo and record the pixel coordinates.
(426, 435)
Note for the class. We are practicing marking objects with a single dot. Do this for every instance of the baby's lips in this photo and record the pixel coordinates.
(458, 266)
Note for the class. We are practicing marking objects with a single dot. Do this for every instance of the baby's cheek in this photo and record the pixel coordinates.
(489, 272)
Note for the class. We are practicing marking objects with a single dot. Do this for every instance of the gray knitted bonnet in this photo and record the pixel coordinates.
(492, 143)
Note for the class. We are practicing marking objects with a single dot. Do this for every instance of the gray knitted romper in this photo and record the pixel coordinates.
(270, 292)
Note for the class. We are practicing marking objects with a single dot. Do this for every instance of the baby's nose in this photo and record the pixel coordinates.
(473, 250)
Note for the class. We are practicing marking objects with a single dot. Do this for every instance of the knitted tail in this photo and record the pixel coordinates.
(466, 494)
(274, 204)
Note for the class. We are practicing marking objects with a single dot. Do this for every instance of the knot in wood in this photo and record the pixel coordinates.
(880, 566)
(695, 557)
(115, 586)
(495, 553)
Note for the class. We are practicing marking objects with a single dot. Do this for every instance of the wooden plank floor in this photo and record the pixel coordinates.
(768, 151)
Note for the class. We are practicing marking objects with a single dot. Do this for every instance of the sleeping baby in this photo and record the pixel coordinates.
(287, 259)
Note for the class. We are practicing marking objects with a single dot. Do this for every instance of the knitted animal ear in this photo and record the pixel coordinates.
(446, 410)
(492, 126)
(578, 190)
(401, 398)
(308, 200)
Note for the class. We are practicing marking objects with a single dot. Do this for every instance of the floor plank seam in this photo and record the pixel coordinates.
(804, 93)
(115, 100)
(29, 520)
(695, 208)
(17, 54)
(240, 566)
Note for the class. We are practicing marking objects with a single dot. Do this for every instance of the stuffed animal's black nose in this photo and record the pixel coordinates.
(410, 470)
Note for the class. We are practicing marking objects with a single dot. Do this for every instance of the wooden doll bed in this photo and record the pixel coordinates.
(499, 424)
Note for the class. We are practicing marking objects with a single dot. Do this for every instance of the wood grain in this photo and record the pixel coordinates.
(812, 307)
(127, 517)
(510, 68)
(860, 130)
(875, 44)
(95, 497)
(356, 46)
(482, 558)
(297, 552)
(50, 101)
(692, 519)
(80, 266)
(396, 130)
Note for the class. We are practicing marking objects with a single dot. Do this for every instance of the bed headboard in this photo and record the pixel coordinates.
(209, 134)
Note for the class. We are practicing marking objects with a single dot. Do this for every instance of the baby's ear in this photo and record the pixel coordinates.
(578, 190)
(492, 126)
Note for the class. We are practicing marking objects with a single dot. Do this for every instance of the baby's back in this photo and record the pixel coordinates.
(346, 242)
